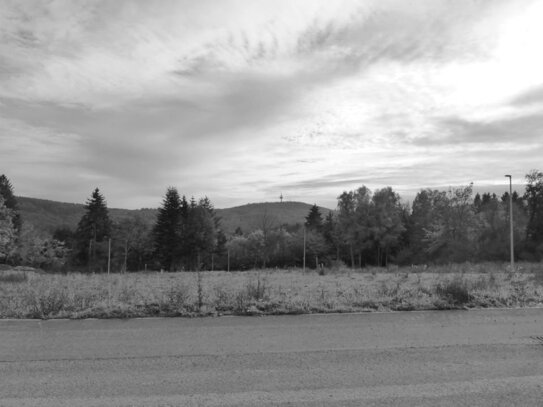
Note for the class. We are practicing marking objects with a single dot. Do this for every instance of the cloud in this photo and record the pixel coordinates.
(247, 98)
(502, 134)
(530, 97)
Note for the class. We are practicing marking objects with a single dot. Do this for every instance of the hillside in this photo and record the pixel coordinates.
(251, 216)
(47, 215)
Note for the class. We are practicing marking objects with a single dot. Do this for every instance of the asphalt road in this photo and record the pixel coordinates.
(461, 358)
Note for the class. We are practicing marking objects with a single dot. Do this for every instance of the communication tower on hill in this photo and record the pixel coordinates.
(281, 197)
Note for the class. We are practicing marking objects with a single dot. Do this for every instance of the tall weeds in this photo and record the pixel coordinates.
(268, 292)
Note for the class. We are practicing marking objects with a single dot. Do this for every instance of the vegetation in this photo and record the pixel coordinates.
(369, 228)
(26, 294)
(19, 242)
(93, 233)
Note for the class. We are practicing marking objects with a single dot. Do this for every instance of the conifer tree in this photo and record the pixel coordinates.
(313, 220)
(93, 230)
(168, 230)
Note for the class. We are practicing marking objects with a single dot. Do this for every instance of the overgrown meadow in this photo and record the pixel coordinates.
(29, 294)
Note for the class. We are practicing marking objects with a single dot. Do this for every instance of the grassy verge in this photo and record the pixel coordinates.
(25, 294)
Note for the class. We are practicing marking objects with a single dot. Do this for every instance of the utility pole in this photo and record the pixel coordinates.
(304, 251)
(512, 247)
(108, 256)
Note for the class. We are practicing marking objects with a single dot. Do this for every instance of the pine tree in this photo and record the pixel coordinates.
(313, 220)
(93, 230)
(6, 192)
(168, 230)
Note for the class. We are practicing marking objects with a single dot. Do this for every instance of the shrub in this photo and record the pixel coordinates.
(256, 291)
(178, 297)
(46, 302)
(455, 291)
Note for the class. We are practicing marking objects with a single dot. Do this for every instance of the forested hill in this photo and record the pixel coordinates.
(47, 215)
(259, 215)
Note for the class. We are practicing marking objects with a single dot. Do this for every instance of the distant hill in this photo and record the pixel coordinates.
(47, 216)
(251, 216)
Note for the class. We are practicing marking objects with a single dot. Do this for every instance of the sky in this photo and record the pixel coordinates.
(245, 100)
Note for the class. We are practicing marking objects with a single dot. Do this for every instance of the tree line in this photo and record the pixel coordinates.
(367, 228)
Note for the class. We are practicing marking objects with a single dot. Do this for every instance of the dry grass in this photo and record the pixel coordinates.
(268, 292)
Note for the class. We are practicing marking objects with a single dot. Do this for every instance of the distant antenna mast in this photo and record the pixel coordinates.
(281, 197)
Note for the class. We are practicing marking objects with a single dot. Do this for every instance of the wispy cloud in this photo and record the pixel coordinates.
(239, 99)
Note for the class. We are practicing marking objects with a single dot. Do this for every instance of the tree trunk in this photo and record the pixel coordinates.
(352, 256)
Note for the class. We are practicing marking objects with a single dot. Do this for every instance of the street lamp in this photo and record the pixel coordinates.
(511, 222)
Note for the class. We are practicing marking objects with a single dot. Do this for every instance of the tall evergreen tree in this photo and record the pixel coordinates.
(313, 220)
(93, 230)
(6, 192)
(168, 230)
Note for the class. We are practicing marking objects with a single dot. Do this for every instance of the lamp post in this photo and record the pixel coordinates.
(512, 250)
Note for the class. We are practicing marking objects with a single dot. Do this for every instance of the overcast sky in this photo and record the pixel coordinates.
(244, 100)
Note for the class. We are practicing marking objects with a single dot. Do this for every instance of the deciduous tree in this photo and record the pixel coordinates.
(8, 233)
(386, 222)
(6, 191)
(534, 201)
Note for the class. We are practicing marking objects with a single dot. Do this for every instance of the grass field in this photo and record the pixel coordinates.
(29, 294)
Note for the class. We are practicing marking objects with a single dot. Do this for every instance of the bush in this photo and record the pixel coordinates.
(46, 302)
(455, 291)
(178, 297)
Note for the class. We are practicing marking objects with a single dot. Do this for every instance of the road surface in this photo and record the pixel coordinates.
(457, 358)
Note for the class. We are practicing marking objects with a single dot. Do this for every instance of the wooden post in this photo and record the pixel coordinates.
(125, 256)
(109, 256)
(303, 269)
(89, 258)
